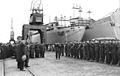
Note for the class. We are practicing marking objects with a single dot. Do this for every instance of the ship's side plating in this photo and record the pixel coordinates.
(67, 34)
(106, 27)
(115, 17)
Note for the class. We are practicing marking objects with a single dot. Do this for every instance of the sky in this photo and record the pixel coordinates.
(19, 10)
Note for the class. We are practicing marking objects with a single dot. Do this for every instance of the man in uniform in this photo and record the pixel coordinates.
(1, 51)
(66, 50)
(102, 52)
(72, 50)
(87, 47)
(37, 50)
(114, 53)
(91, 49)
(42, 50)
(118, 52)
(57, 49)
(76, 50)
(32, 50)
(84, 51)
(20, 50)
(108, 52)
(62, 49)
(80, 50)
(97, 55)
(27, 53)
(19, 53)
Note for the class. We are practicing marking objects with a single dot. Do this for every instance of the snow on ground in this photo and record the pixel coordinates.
(49, 66)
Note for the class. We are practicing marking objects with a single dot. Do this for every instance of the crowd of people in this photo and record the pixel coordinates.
(21, 50)
(107, 51)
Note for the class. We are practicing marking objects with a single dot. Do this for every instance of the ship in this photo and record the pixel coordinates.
(64, 34)
(56, 31)
(106, 27)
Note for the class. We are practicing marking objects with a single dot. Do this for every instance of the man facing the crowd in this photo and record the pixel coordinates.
(21, 54)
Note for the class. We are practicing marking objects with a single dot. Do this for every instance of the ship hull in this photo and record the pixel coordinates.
(106, 27)
(69, 34)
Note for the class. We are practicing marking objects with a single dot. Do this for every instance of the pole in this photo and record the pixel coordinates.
(119, 4)
(73, 11)
(64, 20)
(12, 24)
(66, 36)
(61, 20)
(80, 10)
(89, 12)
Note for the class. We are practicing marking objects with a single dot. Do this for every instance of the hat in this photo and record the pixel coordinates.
(24, 57)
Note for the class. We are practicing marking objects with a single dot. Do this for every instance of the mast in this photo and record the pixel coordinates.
(89, 12)
(61, 19)
(31, 5)
(77, 8)
(11, 24)
(64, 20)
(73, 11)
(39, 4)
(80, 10)
(12, 32)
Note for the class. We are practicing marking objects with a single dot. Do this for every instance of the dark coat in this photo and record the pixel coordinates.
(20, 51)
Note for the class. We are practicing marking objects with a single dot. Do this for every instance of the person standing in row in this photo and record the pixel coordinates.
(21, 54)
(57, 49)
(27, 53)
(42, 50)
(37, 50)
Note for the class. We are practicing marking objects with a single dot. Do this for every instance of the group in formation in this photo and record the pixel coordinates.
(103, 51)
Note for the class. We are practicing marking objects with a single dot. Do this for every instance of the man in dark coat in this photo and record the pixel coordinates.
(80, 50)
(37, 51)
(42, 50)
(1, 52)
(108, 53)
(102, 52)
(20, 51)
(97, 55)
(62, 49)
(87, 47)
(118, 53)
(84, 50)
(66, 50)
(57, 49)
(27, 53)
(32, 50)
